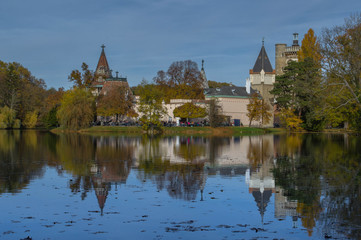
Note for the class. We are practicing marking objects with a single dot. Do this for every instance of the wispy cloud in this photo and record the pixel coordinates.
(53, 37)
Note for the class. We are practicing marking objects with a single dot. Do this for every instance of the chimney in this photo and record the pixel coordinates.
(295, 39)
(248, 86)
(116, 74)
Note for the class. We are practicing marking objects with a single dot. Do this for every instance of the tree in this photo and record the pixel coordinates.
(19, 90)
(117, 101)
(31, 119)
(7, 117)
(299, 89)
(183, 80)
(258, 110)
(82, 80)
(290, 120)
(341, 50)
(189, 110)
(48, 112)
(283, 88)
(310, 48)
(150, 107)
(215, 116)
(77, 109)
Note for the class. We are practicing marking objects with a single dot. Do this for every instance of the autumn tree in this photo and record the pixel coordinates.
(117, 101)
(189, 110)
(183, 80)
(77, 109)
(81, 79)
(20, 90)
(289, 119)
(50, 107)
(7, 117)
(310, 48)
(341, 49)
(150, 107)
(258, 110)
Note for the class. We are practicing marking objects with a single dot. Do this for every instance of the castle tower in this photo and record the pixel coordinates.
(285, 53)
(262, 76)
(103, 71)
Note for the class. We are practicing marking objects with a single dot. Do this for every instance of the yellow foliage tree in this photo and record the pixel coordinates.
(31, 119)
(258, 110)
(310, 48)
(290, 120)
(189, 110)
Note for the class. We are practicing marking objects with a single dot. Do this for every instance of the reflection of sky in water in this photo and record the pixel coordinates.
(183, 187)
(47, 208)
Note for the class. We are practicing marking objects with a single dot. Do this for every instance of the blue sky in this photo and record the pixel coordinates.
(51, 38)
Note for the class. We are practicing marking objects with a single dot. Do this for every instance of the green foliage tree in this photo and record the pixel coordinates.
(258, 110)
(299, 89)
(183, 80)
(341, 50)
(77, 109)
(150, 107)
(82, 79)
(50, 107)
(117, 101)
(189, 110)
(215, 115)
(50, 119)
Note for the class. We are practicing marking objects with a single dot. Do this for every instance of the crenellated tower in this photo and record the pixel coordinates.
(285, 53)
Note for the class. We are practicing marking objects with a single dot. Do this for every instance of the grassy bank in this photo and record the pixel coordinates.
(206, 131)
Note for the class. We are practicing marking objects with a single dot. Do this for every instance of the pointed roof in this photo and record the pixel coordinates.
(262, 62)
(103, 61)
(262, 199)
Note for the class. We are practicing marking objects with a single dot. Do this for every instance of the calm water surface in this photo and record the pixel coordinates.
(121, 187)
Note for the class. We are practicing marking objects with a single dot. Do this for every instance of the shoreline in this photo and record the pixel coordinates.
(168, 131)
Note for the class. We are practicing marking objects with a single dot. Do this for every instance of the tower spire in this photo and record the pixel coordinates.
(103, 67)
(262, 62)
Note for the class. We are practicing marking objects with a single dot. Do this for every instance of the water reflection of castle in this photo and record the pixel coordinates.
(188, 162)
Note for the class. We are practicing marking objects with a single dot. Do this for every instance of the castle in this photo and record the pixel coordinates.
(104, 79)
(285, 53)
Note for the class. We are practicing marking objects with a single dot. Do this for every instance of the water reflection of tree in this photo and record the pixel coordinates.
(181, 180)
(298, 171)
(342, 162)
(216, 144)
(259, 150)
(331, 163)
(191, 149)
(21, 159)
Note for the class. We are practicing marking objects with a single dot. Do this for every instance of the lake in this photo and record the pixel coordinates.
(282, 186)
